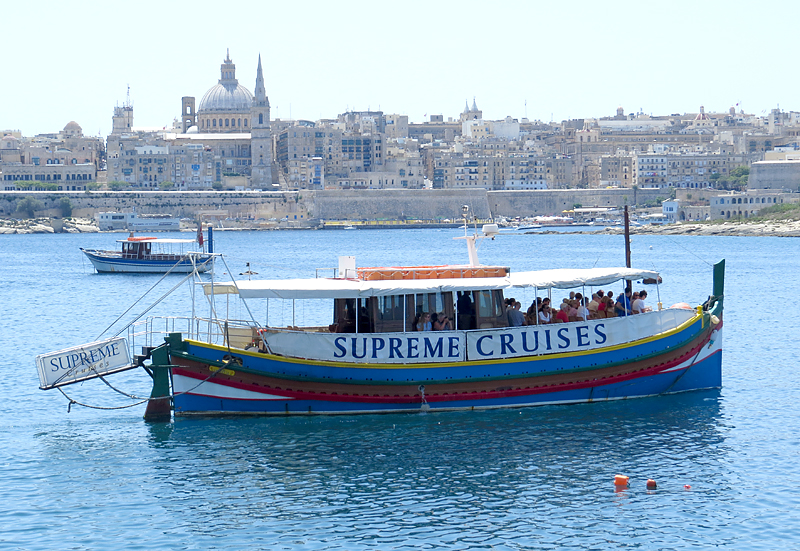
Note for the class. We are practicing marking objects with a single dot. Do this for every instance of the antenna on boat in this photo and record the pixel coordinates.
(489, 230)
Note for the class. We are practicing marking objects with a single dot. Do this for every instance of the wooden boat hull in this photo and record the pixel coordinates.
(110, 262)
(214, 380)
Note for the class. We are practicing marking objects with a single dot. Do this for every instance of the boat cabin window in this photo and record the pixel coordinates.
(481, 310)
(348, 311)
(476, 310)
(431, 302)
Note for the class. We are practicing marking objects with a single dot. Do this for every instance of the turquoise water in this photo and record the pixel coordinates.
(539, 478)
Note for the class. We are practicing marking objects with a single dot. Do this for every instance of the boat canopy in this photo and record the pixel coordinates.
(315, 288)
(156, 240)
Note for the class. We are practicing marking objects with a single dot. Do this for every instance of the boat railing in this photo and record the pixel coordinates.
(150, 332)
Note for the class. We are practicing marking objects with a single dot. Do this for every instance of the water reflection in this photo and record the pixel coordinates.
(472, 477)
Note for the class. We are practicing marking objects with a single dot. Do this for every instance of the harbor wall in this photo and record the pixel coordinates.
(551, 202)
(302, 206)
(190, 204)
(394, 204)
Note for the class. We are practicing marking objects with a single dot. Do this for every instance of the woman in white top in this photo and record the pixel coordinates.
(544, 315)
(638, 306)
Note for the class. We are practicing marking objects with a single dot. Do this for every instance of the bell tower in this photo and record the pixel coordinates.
(188, 114)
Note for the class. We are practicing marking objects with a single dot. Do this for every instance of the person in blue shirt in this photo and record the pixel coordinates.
(623, 305)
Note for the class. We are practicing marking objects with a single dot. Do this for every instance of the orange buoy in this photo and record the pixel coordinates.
(687, 487)
(621, 480)
(651, 484)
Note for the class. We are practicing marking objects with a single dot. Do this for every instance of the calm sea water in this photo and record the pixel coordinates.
(540, 478)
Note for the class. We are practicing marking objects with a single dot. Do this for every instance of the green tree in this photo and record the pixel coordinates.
(166, 185)
(29, 206)
(576, 205)
(66, 207)
(740, 172)
(217, 186)
(117, 185)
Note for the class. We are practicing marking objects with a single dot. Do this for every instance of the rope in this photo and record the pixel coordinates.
(688, 250)
(685, 371)
(137, 301)
(134, 397)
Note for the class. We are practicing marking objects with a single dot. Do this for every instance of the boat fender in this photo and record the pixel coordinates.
(714, 319)
(712, 337)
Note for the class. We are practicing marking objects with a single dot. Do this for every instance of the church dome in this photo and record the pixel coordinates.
(227, 95)
(73, 129)
(230, 96)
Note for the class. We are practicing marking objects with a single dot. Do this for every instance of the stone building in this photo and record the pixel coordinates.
(66, 160)
(775, 175)
(227, 135)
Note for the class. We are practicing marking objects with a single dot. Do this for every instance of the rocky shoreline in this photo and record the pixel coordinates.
(778, 228)
(781, 228)
(48, 225)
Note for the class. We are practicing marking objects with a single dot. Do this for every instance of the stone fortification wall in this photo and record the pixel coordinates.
(372, 204)
(178, 204)
(329, 204)
(778, 175)
(553, 202)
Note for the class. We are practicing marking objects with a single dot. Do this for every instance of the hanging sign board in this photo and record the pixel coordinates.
(84, 362)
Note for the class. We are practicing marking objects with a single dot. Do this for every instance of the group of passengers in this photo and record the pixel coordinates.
(577, 308)
(432, 322)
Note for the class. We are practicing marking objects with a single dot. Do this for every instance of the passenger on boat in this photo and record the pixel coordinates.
(562, 316)
(515, 316)
(424, 323)
(441, 322)
(638, 304)
(545, 314)
(534, 307)
(583, 311)
(508, 304)
(572, 313)
(466, 312)
(594, 306)
(622, 307)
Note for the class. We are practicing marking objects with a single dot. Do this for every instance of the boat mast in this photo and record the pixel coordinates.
(472, 248)
(627, 239)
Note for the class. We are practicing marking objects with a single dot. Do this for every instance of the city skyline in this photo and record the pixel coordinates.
(519, 59)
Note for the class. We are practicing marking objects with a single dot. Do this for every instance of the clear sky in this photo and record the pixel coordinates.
(547, 60)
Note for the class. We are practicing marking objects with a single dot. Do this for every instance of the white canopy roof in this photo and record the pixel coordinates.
(157, 240)
(353, 288)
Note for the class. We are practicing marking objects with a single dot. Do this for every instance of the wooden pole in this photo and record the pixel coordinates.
(627, 239)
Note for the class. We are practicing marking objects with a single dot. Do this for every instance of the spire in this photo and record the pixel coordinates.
(474, 105)
(466, 106)
(260, 97)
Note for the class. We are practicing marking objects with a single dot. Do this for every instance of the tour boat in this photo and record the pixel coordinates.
(145, 254)
(370, 358)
